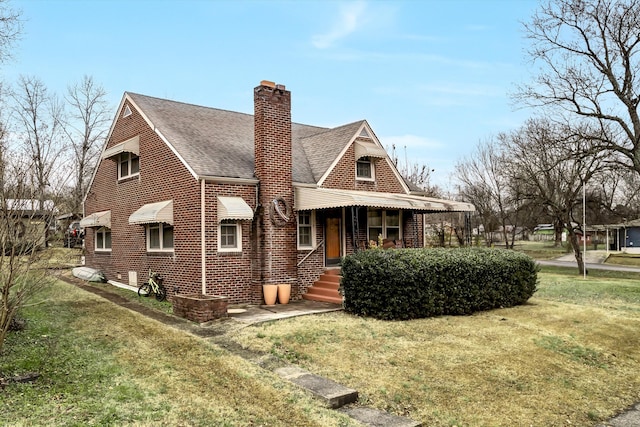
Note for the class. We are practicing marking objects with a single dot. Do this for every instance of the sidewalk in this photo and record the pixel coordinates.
(594, 260)
(251, 314)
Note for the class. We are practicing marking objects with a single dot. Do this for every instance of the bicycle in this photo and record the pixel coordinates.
(153, 286)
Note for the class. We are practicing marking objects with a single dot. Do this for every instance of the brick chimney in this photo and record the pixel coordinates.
(276, 245)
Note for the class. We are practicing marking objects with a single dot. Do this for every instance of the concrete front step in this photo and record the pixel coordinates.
(334, 395)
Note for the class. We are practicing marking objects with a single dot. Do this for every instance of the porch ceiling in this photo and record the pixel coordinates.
(325, 198)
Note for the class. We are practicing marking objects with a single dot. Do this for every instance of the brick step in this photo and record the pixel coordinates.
(326, 285)
(323, 298)
(313, 290)
(325, 289)
(333, 271)
(330, 278)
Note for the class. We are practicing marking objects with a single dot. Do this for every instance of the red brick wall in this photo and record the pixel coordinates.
(162, 177)
(229, 273)
(276, 251)
(343, 176)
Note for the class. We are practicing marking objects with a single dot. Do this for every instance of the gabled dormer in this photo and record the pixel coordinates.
(361, 163)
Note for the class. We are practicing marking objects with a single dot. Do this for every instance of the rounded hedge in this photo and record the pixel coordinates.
(401, 284)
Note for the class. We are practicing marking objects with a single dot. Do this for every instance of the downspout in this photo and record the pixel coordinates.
(203, 255)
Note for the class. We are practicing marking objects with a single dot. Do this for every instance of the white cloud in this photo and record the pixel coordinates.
(349, 21)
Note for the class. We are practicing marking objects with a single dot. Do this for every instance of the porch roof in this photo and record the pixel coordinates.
(307, 198)
(153, 212)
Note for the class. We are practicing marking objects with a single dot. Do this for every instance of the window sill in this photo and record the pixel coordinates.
(230, 252)
(102, 251)
(365, 179)
(129, 178)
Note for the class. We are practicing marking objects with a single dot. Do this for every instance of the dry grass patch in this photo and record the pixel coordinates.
(156, 375)
(549, 362)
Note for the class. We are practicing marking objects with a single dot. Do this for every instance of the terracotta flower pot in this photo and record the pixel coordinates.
(270, 293)
(284, 293)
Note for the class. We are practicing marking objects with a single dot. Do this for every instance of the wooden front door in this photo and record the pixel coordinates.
(333, 241)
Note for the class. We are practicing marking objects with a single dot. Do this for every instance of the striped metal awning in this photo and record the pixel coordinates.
(131, 145)
(307, 198)
(153, 213)
(97, 219)
(233, 208)
(368, 149)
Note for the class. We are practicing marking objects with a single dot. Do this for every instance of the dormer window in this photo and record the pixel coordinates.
(364, 169)
(128, 165)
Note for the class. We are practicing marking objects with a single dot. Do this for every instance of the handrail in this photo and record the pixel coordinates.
(310, 252)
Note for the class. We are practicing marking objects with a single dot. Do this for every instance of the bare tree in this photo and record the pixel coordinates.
(10, 30)
(416, 173)
(549, 167)
(589, 56)
(85, 128)
(39, 118)
(23, 226)
(484, 183)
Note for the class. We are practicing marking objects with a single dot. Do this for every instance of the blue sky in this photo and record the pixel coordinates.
(432, 76)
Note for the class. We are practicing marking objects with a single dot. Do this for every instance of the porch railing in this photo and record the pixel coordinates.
(310, 252)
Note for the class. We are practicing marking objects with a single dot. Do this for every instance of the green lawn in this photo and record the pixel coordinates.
(568, 357)
(101, 364)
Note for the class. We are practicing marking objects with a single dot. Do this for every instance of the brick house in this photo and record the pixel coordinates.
(220, 202)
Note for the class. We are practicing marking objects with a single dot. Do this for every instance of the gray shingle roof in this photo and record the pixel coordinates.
(217, 142)
(323, 148)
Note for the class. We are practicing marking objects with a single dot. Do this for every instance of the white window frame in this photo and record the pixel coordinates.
(121, 161)
(384, 224)
(371, 168)
(312, 225)
(238, 247)
(103, 231)
(160, 227)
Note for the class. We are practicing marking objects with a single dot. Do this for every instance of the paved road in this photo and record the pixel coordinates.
(592, 266)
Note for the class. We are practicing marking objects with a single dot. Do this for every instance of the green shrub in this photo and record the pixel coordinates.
(414, 283)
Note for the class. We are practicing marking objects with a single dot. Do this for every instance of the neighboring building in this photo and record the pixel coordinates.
(221, 202)
(25, 221)
(624, 237)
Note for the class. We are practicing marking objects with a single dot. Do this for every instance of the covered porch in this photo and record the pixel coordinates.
(334, 223)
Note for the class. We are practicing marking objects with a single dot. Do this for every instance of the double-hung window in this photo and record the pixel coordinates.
(128, 165)
(374, 224)
(383, 223)
(159, 237)
(306, 234)
(364, 169)
(229, 237)
(103, 239)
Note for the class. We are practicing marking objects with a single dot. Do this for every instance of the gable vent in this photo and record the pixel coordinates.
(364, 133)
(127, 111)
